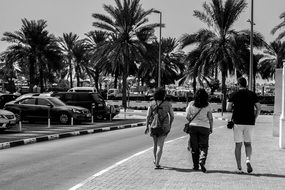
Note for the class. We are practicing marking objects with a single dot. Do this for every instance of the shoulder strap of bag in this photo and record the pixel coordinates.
(157, 106)
(195, 115)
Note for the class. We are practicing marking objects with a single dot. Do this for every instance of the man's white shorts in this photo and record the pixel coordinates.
(243, 133)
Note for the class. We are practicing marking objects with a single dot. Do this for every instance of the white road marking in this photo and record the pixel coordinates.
(115, 165)
(123, 161)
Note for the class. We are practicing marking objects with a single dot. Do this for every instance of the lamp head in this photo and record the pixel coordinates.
(156, 11)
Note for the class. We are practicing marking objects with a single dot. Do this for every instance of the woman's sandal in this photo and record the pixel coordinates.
(158, 167)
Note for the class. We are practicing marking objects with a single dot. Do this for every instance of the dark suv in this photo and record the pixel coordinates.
(101, 110)
(4, 98)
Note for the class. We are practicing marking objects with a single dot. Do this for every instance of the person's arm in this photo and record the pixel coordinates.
(171, 114)
(147, 119)
(210, 117)
(230, 101)
(188, 112)
(257, 109)
(229, 106)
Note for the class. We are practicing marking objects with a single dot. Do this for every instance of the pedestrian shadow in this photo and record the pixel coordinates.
(249, 174)
(179, 169)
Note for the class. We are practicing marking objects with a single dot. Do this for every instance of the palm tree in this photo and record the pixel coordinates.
(8, 71)
(35, 48)
(220, 45)
(279, 27)
(125, 21)
(67, 43)
(96, 39)
(80, 54)
(194, 68)
(272, 59)
(172, 66)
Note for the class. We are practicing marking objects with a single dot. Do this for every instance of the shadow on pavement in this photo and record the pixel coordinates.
(9, 132)
(179, 169)
(250, 174)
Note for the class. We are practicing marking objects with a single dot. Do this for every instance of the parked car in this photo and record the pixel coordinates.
(83, 89)
(4, 98)
(31, 94)
(7, 119)
(101, 109)
(36, 108)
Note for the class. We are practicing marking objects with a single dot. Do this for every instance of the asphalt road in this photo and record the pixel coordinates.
(63, 163)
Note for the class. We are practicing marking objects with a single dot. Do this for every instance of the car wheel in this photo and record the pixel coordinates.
(64, 118)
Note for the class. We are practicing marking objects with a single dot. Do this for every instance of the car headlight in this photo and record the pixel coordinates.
(76, 111)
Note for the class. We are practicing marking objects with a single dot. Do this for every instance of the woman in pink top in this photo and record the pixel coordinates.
(202, 126)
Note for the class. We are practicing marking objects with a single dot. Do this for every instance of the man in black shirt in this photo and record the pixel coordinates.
(246, 108)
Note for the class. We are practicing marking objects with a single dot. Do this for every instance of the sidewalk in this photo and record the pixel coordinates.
(138, 172)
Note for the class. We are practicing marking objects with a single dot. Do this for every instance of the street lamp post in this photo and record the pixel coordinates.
(282, 116)
(159, 49)
(250, 81)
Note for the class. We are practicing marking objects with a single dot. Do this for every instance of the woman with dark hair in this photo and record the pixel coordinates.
(201, 127)
(165, 114)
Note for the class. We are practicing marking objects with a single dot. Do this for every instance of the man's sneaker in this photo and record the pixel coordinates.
(239, 171)
(249, 168)
(204, 170)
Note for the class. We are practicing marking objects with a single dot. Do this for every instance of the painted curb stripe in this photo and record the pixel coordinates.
(65, 135)
(74, 133)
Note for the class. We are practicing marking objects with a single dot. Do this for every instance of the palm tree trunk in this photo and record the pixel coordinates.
(116, 80)
(41, 79)
(96, 79)
(124, 91)
(216, 72)
(70, 72)
(194, 83)
(224, 90)
(77, 76)
(32, 74)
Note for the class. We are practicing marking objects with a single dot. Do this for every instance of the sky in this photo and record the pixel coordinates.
(64, 16)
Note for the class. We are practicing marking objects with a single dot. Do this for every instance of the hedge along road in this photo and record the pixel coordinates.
(180, 106)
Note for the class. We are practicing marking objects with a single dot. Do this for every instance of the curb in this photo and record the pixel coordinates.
(11, 144)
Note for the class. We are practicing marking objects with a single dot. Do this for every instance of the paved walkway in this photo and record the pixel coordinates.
(138, 172)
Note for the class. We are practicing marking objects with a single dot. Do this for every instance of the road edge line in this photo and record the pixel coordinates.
(117, 164)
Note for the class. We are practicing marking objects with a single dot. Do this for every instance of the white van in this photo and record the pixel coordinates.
(83, 89)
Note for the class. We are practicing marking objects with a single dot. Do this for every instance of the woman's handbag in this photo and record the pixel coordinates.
(187, 127)
(230, 124)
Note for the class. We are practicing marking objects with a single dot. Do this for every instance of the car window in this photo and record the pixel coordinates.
(83, 90)
(97, 98)
(57, 102)
(60, 96)
(83, 97)
(69, 97)
(43, 102)
(28, 101)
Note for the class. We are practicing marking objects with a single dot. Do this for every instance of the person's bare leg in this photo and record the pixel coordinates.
(154, 148)
(238, 155)
(248, 152)
(160, 143)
